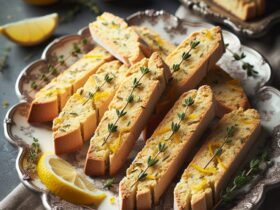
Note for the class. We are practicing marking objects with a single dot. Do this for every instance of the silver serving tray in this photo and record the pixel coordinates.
(253, 28)
(264, 98)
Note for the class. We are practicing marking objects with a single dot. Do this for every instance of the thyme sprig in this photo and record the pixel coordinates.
(4, 58)
(246, 66)
(186, 55)
(112, 127)
(77, 8)
(226, 140)
(33, 156)
(242, 179)
(176, 126)
(108, 183)
(152, 161)
(53, 70)
(107, 79)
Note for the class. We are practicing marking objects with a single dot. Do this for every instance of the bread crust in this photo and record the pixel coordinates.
(247, 128)
(148, 192)
(185, 81)
(70, 142)
(37, 111)
(127, 132)
(59, 90)
(154, 41)
(244, 10)
(228, 92)
(101, 31)
(88, 112)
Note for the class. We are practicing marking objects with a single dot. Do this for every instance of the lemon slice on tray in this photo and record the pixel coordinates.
(30, 31)
(63, 180)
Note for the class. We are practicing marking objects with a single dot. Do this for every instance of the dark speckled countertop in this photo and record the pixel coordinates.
(12, 10)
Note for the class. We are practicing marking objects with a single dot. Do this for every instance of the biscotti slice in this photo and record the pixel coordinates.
(189, 64)
(158, 162)
(78, 120)
(128, 113)
(217, 160)
(113, 33)
(243, 9)
(50, 100)
(155, 41)
(228, 92)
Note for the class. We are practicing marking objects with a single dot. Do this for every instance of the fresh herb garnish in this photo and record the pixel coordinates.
(246, 66)
(242, 179)
(5, 104)
(120, 113)
(107, 79)
(109, 183)
(4, 58)
(33, 156)
(60, 59)
(226, 140)
(185, 55)
(161, 147)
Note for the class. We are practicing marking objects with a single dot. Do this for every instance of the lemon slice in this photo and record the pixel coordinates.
(63, 180)
(31, 31)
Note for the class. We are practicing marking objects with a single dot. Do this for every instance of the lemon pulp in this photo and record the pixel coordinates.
(62, 179)
(31, 31)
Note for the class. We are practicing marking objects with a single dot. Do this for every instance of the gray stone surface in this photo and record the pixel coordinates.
(11, 10)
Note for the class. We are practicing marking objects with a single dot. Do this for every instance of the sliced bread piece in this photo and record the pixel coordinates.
(128, 113)
(207, 174)
(243, 9)
(113, 33)
(158, 162)
(189, 64)
(50, 100)
(228, 92)
(155, 41)
(78, 119)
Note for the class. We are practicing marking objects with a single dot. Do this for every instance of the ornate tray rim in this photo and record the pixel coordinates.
(264, 24)
(22, 147)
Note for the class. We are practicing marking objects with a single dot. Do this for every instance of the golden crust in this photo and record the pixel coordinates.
(206, 186)
(228, 92)
(244, 10)
(59, 90)
(88, 112)
(197, 118)
(113, 33)
(192, 72)
(120, 143)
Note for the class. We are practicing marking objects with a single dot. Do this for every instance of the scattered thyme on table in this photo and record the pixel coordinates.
(91, 5)
(4, 58)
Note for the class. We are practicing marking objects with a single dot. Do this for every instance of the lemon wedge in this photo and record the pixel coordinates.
(31, 31)
(63, 180)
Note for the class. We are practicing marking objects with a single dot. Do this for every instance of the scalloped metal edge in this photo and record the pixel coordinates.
(266, 22)
(23, 149)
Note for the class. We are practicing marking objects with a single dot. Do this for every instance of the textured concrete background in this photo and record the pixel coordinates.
(12, 10)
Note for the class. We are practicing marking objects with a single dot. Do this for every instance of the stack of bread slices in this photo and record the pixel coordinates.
(133, 81)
